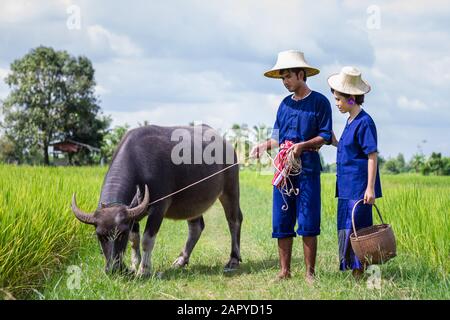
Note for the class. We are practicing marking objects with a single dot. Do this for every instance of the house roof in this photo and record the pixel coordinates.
(72, 146)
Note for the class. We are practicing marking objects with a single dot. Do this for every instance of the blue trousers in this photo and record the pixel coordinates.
(363, 218)
(303, 208)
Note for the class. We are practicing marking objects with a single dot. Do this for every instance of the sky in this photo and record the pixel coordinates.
(177, 61)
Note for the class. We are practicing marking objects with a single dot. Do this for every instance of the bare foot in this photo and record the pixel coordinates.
(283, 275)
(309, 279)
(358, 274)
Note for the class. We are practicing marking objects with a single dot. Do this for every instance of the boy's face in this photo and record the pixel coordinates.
(341, 103)
(291, 80)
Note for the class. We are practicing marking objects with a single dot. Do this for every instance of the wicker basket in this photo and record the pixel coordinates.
(374, 244)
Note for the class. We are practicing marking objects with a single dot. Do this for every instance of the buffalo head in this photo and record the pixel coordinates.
(112, 225)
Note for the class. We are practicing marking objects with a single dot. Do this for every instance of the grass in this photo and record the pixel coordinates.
(37, 229)
(40, 239)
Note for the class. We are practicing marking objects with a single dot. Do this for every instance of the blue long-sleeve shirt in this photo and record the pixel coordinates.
(303, 120)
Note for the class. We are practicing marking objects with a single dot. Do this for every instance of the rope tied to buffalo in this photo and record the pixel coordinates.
(285, 165)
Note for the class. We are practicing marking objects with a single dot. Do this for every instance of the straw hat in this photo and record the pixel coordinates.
(291, 59)
(349, 81)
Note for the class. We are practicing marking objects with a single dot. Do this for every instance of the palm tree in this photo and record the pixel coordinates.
(417, 162)
(144, 124)
(239, 140)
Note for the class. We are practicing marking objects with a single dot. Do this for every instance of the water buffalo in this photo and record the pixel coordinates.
(148, 158)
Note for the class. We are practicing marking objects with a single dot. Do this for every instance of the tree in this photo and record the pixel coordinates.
(261, 133)
(395, 165)
(446, 171)
(401, 163)
(381, 161)
(7, 150)
(51, 99)
(144, 124)
(391, 166)
(417, 162)
(239, 140)
(435, 165)
(111, 141)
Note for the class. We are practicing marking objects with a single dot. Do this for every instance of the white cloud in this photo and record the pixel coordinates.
(411, 104)
(101, 38)
(416, 8)
(250, 108)
(3, 87)
(3, 74)
(151, 81)
(18, 11)
(176, 62)
(100, 90)
(28, 12)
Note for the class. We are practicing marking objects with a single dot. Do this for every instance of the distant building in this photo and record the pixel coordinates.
(70, 147)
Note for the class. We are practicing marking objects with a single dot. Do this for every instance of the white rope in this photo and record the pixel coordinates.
(192, 184)
(294, 168)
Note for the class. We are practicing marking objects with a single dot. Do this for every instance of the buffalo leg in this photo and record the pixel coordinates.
(233, 213)
(134, 235)
(154, 221)
(196, 227)
(135, 247)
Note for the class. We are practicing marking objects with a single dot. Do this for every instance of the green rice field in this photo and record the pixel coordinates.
(45, 253)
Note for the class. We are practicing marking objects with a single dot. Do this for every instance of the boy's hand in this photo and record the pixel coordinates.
(334, 141)
(369, 196)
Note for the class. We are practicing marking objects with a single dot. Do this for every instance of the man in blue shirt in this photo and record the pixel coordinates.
(304, 118)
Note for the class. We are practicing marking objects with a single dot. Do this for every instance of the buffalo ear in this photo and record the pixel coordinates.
(102, 205)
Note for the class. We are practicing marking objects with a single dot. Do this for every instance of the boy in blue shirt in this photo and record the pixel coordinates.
(304, 118)
(357, 169)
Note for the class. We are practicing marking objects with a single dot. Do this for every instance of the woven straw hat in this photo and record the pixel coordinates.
(291, 59)
(349, 81)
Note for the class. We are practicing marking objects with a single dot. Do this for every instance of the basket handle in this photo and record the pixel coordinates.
(353, 216)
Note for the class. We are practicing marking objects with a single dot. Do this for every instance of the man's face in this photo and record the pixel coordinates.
(291, 80)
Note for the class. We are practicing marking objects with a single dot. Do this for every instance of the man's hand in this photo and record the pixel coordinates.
(297, 149)
(257, 151)
(300, 147)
